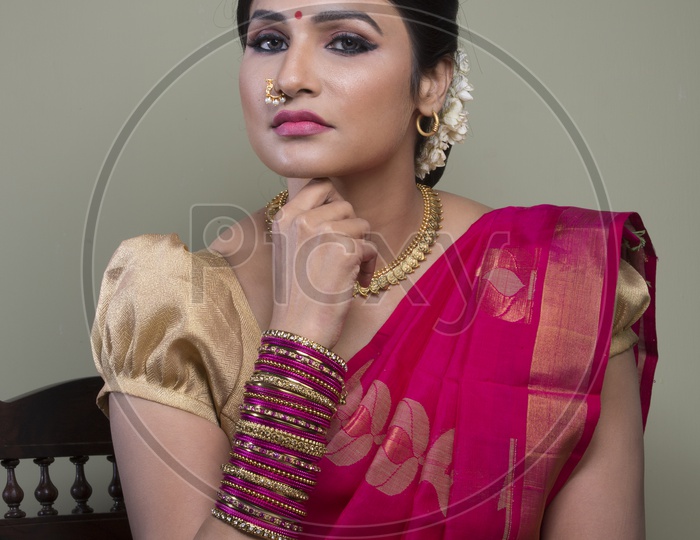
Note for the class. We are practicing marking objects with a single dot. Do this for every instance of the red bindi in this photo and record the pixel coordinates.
(297, 15)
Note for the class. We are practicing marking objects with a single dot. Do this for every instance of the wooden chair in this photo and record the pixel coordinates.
(58, 421)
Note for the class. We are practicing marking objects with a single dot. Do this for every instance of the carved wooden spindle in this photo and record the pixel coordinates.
(46, 493)
(115, 488)
(81, 489)
(12, 494)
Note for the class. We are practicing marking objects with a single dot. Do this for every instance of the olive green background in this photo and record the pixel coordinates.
(72, 72)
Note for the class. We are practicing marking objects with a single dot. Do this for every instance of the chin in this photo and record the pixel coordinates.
(296, 168)
(297, 171)
(313, 161)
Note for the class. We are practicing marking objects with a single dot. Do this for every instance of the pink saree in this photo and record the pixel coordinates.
(473, 403)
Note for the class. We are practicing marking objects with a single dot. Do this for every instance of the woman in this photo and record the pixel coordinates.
(479, 400)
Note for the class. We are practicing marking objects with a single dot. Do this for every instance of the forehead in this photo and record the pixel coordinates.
(292, 8)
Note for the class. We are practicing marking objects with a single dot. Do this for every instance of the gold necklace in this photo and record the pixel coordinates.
(410, 258)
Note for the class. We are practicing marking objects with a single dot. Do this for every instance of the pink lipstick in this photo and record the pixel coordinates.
(298, 124)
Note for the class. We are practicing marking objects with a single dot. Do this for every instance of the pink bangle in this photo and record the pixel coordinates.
(256, 511)
(280, 436)
(292, 366)
(292, 354)
(300, 479)
(275, 407)
(264, 495)
(322, 387)
(245, 455)
(250, 524)
(283, 416)
(277, 454)
(275, 395)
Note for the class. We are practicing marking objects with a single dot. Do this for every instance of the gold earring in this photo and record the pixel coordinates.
(433, 129)
(270, 97)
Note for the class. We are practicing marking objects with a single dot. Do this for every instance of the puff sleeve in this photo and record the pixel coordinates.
(631, 300)
(174, 327)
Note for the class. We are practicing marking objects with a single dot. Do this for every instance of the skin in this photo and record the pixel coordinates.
(361, 172)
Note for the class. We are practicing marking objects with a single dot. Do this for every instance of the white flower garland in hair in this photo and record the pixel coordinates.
(453, 124)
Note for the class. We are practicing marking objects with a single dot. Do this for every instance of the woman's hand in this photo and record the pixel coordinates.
(319, 250)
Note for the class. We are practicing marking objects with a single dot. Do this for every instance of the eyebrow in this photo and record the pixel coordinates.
(323, 17)
(338, 15)
(267, 15)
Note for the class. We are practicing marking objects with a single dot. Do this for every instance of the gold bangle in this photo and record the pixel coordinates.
(272, 469)
(278, 401)
(278, 436)
(247, 527)
(296, 371)
(283, 423)
(253, 510)
(293, 386)
(262, 496)
(264, 481)
(280, 334)
(303, 358)
(296, 421)
(287, 459)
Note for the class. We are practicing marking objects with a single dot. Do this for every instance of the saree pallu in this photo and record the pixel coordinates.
(471, 406)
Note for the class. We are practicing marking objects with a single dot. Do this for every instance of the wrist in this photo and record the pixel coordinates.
(326, 335)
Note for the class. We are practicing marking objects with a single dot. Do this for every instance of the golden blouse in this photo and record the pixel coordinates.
(174, 327)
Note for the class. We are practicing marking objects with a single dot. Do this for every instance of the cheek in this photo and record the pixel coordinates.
(388, 101)
(252, 94)
(246, 87)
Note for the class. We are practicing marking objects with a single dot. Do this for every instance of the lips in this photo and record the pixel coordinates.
(298, 123)
(283, 117)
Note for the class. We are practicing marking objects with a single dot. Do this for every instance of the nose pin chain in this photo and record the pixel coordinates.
(270, 97)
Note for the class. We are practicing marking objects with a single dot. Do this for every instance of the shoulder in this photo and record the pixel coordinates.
(544, 223)
(172, 326)
(460, 213)
(143, 249)
(152, 275)
(155, 263)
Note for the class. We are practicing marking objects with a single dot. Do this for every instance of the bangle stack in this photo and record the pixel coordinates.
(280, 437)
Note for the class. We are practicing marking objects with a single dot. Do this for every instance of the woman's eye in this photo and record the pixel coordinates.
(351, 44)
(268, 43)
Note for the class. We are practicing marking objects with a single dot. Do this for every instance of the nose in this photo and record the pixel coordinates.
(296, 75)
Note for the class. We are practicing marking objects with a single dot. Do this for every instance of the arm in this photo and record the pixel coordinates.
(604, 497)
(170, 459)
(161, 446)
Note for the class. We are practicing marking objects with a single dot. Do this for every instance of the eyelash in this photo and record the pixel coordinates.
(361, 43)
(257, 42)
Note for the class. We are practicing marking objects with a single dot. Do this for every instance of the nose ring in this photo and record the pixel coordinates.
(270, 97)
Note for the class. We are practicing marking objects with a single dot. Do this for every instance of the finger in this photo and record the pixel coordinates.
(330, 212)
(355, 228)
(368, 264)
(322, 219)
(315, 193)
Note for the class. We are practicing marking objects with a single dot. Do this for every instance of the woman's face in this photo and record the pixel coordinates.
(346, 69)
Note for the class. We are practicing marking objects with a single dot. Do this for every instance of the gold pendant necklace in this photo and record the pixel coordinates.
(410, 258)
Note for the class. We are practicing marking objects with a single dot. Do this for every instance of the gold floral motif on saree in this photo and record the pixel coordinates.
(403, 455)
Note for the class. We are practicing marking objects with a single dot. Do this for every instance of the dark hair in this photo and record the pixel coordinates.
(432, 27)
